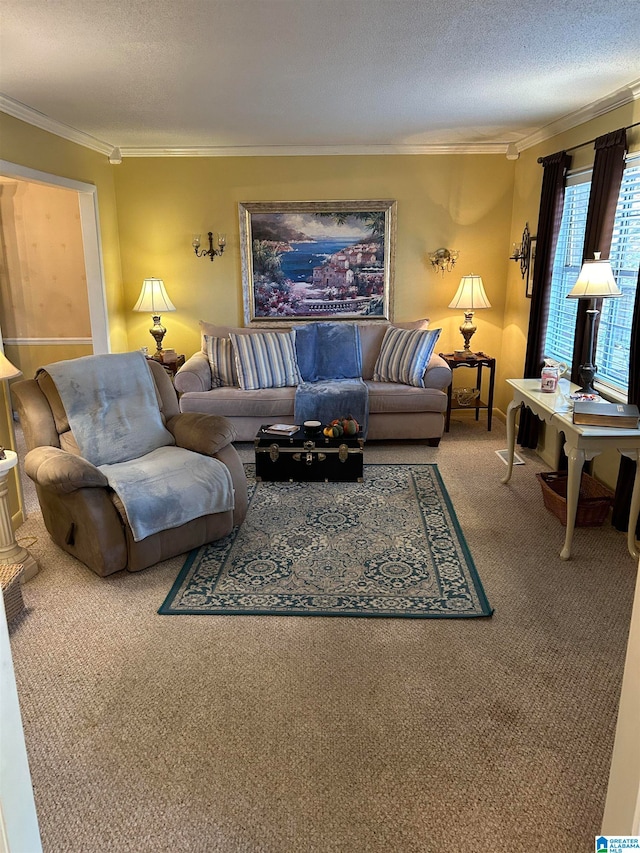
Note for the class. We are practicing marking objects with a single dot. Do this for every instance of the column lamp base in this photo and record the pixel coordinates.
(29, 564)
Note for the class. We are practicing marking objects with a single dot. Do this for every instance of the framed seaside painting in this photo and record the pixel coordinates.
(315, 260)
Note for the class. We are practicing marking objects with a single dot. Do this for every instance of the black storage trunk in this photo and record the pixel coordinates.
(301, 458)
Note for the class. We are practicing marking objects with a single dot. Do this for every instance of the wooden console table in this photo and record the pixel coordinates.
(582, 443)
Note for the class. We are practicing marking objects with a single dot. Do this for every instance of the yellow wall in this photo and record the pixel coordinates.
(462, 202)
(150, 208)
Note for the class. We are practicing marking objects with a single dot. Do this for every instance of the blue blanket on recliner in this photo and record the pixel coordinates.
(330, 364)
(112, 407)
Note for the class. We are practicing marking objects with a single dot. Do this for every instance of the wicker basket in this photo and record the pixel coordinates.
(594, 499)
(11, 578)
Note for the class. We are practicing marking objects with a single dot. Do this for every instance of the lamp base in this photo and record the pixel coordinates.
(467, 328)
(587, 374)
(10, 552)
(25, 559)
(158, 331)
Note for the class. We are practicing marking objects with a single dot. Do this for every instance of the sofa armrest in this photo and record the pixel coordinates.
(438, 374)
(202, 433)
(62, 472)
(194, 375)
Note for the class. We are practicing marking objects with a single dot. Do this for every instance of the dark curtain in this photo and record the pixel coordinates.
(608, 167)
(550, 216)
(627, 472)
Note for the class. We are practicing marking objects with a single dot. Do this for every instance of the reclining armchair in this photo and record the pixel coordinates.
(83, 514)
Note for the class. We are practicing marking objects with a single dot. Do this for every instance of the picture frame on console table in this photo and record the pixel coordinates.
(317, 260)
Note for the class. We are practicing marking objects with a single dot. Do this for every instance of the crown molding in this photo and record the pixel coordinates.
(38, 119)
(626, 95)
(619, 98)
(317, 150)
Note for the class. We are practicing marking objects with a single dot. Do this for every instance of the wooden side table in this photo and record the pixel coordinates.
(476, 360)
(172, 367)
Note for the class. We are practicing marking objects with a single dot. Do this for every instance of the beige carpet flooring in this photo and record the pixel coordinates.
(295, 734)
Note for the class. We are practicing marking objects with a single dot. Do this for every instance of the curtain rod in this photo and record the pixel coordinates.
(590, 141)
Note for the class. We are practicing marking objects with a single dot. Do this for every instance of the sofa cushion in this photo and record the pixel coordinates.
(394, 398)
(265, 360)
(404, 355)
(371, 336)
(221, 357)
(267, 403)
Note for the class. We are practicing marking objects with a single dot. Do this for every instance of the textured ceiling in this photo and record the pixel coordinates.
(349, 74)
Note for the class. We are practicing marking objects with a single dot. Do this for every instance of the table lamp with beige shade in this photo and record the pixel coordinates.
(154, 299)
(469, 297)
(10, 552)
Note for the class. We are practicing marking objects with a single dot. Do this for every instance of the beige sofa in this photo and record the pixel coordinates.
(395, 410)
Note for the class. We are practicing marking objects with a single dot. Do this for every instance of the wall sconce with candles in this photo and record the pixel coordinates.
(154, 299)
(522, 251)
(444, 260)
(595, 281)
(469, 297)
(210, 253)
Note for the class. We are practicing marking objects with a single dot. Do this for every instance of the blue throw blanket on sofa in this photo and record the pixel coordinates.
(324, 401)
(330, 364)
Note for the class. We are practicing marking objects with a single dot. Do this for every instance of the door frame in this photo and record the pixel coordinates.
(92, 246)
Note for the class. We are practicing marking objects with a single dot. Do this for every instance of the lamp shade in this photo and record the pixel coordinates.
(153, 297)
(595, 281)
(8, 370)
(470, 294)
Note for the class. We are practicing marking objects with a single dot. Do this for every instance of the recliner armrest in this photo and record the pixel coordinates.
(62, 472)
(202, 433)
(194, 375)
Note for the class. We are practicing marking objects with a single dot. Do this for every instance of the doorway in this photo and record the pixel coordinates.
(80, 198)
(47, 314)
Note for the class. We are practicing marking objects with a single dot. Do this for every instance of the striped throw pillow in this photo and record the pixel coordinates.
(404, 355)
(221, 361)
(266, 360)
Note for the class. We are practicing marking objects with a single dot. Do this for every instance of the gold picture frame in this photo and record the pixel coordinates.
(313, 260)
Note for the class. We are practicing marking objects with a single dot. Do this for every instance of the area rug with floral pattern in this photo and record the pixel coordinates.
(388, 546)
